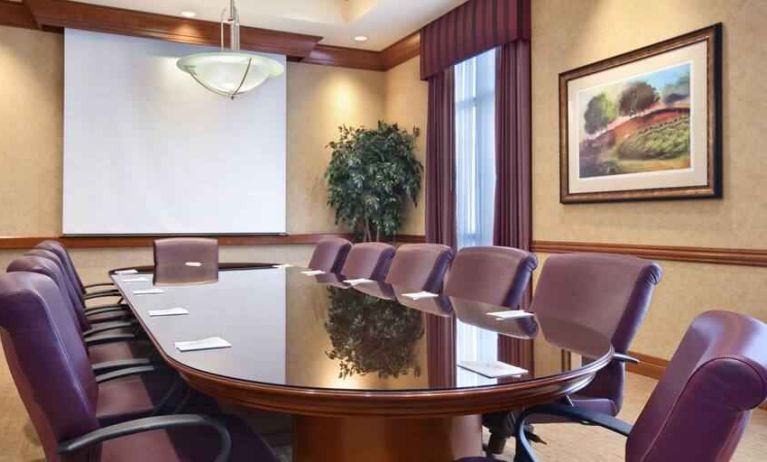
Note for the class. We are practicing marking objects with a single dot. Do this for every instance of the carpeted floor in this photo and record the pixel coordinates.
(566, 442)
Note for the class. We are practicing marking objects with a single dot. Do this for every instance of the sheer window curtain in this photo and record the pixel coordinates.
(475, 165)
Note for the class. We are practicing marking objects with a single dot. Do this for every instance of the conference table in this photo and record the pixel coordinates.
(368, 371)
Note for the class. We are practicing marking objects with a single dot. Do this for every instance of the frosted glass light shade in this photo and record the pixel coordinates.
(229, 73)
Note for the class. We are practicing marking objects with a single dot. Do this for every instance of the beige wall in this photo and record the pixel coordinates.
(407, 100)
(568, 34)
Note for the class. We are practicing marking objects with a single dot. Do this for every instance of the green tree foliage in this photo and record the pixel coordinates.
(677, 91)
(637, 97)
(600, 111)
(371, 175)
(369, 334)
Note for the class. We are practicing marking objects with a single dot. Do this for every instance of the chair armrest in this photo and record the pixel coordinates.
(109, 326)
(576, 414)
(125, 312)
(127, 372)
(99, 284)
(102, 339)
(149, 424)
(109, 366)
(624, 358)
(101, 293)
(88, 309)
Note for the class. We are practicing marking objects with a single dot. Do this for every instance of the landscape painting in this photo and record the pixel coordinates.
(638, 125)
(645, 124)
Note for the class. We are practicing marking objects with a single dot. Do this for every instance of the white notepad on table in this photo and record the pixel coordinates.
(126, 271)
(420, 295)
(354, 282)
(511, 314)
(193, 263)
(210, 343)
(169, 312)
(137, 279)
(492, 369)
(312, 273)
(148, 291)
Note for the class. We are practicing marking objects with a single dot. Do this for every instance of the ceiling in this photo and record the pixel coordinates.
(337, 21)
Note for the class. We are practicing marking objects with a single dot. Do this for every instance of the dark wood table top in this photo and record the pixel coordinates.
(315, 345)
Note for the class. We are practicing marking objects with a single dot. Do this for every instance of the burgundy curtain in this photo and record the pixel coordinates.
(513, 220)
(440, 215)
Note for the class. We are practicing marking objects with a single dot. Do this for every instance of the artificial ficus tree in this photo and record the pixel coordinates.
(372, 174)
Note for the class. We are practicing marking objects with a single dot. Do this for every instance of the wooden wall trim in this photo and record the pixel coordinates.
(54, 15)
(401, 51)
(107, 242)
(723, 256)
(345, 57)
(64, 13)
(16, 14)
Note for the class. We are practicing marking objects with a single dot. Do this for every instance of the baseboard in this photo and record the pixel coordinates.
(653, 367)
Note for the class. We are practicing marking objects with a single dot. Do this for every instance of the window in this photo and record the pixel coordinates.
(475, 186)
(475, 149)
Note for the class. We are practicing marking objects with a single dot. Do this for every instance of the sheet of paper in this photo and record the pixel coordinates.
(148, 291)
(193, 263)
(312, 272)
(126, 271)
(420, 295)
(178, 311)
(209, 343)
(138, 279)
(354, 282)
(283, 265)
(511, 314)
(492, 369)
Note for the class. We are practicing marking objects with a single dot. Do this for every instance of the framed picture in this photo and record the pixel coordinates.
(645, 124)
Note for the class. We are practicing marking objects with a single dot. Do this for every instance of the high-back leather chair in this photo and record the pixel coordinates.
(70, 270)
(701, 405)
(330, 254)
(494, 275)
(61, 393)
(420, 266)
(369, 260)
(609, 294)
(185, 260)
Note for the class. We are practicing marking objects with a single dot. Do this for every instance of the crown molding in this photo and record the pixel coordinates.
(55, 15)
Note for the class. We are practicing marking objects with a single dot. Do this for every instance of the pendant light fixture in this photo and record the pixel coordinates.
(230, 73)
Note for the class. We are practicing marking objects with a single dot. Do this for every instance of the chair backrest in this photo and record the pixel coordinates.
(47, 267)
(700, 407)
(69, 266)
(71, 289)
(494, 275)
(185, 260)
(420, 266)
(330, 254)
(47, 359)
(368, 260)
(608, 293)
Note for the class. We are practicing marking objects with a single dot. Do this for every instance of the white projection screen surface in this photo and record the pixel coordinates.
(147, 150)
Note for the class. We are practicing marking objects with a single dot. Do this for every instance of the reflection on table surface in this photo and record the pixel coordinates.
(287, 328)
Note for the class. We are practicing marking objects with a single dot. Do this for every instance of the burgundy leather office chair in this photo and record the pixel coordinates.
(185, 260)
(608, 293)
(494, 275)
(84, 291)
(369, 260)
(66, 401)
(330, 254)
(701, 405)
(110, 344)
(420, 266)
